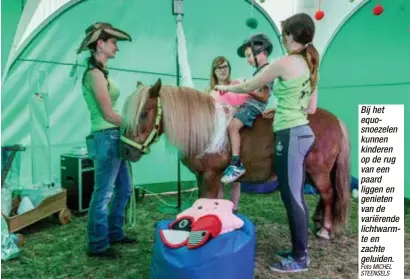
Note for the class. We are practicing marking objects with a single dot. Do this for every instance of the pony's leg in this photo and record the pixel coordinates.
(235, 194)
(212, 182)
(221, 192)
(318, 216)
(201, 185)
(324, 185)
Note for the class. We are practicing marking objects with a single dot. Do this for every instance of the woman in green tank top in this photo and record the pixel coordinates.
(101, 95)
(297, 75)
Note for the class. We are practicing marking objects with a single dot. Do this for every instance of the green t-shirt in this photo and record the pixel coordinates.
(293, 101)
(96, 116)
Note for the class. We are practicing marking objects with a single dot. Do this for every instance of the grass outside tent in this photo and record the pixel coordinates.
(55, 251)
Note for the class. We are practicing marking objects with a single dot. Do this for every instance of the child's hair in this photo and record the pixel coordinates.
(219, 60)
(302, 27)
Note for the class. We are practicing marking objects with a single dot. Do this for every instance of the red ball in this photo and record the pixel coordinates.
(319, 15)
(378, 10)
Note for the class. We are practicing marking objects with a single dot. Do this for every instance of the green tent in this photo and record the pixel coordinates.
(47, 64)
(367, 62)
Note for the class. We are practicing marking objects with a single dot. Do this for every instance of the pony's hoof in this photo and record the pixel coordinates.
(324, 234)
(316, 227)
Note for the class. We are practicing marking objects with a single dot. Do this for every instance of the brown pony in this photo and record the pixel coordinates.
(196, 126)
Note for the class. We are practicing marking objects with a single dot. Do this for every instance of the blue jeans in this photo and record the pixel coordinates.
(249, 111)
(112, 184)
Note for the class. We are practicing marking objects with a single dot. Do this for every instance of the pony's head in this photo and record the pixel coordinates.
(185, 115)
(142, 114)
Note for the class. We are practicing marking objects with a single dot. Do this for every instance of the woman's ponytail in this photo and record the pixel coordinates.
(312, 58)
(93, 63)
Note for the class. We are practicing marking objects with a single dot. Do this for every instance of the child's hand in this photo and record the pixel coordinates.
(268, 113)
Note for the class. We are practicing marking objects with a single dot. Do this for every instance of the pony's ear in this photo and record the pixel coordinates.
(139, 84)
(154, 90)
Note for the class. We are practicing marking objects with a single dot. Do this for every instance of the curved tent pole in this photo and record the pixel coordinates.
(15, 53)
(341, 24)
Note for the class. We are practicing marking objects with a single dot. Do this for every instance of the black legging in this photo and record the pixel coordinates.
(292, 147)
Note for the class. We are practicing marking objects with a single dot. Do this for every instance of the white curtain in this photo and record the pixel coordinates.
(185, 70)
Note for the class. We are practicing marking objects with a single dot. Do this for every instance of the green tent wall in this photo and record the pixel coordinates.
(368, 62)
(211, 28)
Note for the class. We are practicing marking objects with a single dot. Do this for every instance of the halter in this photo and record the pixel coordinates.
(153, 136)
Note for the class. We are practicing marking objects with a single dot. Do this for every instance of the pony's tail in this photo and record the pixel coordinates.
(342, 180)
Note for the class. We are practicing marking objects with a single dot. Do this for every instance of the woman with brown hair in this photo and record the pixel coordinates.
(296, 91)
(221, 74)
(112, 177)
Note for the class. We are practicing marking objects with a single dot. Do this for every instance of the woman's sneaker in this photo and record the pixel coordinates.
(290, 265)
(287, 254)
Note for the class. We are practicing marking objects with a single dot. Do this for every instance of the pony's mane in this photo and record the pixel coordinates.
(133, 106)
(189, 117)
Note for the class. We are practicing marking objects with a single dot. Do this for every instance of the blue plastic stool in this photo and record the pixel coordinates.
(228, 256)
(272, 186)
(261, 188)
